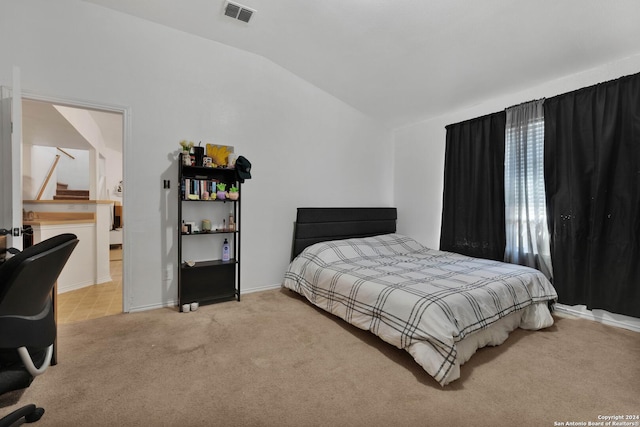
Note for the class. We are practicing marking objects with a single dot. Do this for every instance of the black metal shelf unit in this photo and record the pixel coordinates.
(205, 278)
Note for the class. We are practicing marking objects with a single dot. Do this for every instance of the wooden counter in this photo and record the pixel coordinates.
(54, 218)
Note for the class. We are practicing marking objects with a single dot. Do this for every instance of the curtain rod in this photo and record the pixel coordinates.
(526, 102)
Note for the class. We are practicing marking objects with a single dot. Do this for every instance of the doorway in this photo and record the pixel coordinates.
(69, 129)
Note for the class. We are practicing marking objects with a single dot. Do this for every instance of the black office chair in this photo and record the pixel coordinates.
(27, 323)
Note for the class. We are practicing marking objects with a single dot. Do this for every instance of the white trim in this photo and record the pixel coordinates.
(174, 303)
(260, 289)
(75, 286)
(71, 102)
(601, 316)
(164, 304)
(127, 293)
(104, 279)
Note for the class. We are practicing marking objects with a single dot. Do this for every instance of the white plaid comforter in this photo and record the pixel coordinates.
(412, 296)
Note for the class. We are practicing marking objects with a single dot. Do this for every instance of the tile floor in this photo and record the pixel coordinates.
(94, 301)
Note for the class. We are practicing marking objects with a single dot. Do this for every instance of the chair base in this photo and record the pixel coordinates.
(30, 412)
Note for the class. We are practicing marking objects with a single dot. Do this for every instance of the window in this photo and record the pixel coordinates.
(527, 233)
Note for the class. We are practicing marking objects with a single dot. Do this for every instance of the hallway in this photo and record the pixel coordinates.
(94, 301)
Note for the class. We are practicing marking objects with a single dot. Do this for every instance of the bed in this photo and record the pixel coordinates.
(438, 306)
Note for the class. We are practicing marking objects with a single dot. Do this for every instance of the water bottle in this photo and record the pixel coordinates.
(225, 250)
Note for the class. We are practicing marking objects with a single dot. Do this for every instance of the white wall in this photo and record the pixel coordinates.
(37, 161)
(113, 172)
(74, 172)
(419, 167)
(307, 148)
(420, 148)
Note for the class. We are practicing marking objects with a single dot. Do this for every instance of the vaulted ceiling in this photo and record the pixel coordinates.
(44, 125)
(400, 61)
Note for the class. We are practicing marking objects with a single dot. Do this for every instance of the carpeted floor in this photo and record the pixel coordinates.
(274, 360)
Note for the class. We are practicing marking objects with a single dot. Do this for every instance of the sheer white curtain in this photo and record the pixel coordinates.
(527, 233)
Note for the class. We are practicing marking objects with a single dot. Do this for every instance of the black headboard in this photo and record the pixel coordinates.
(315, 225)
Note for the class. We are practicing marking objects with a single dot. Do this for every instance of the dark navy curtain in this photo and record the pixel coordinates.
(592, 179)
(473, 200)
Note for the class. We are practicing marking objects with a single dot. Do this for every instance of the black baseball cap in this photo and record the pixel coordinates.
(243, 168)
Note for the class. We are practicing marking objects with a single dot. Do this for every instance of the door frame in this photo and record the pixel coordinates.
(11, 158)
(126, 138)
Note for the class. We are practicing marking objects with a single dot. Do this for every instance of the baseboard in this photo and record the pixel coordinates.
(580, 311)
(74, 286)
(601, 316)
(104, 279)
(174, 303)
(260, 289)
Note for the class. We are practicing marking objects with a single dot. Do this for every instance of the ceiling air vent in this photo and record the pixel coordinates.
(238, 11)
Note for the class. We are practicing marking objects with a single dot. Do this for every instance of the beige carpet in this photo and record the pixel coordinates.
(274, 360)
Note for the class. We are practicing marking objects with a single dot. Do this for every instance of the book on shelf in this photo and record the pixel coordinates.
(194, 189)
